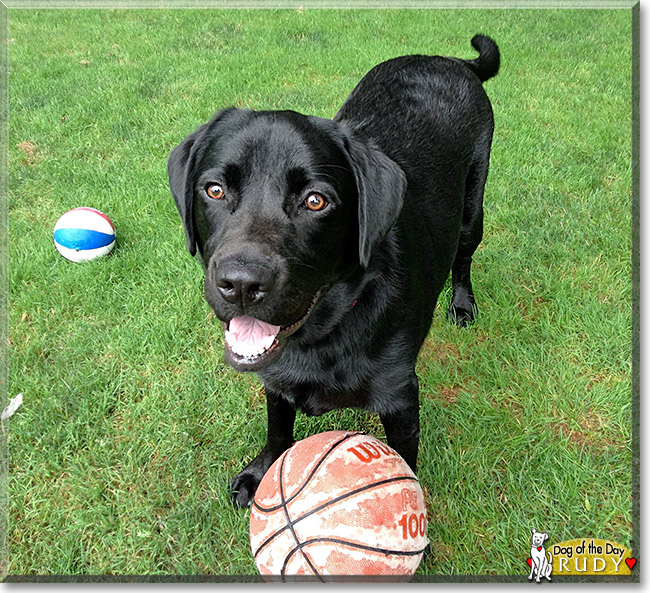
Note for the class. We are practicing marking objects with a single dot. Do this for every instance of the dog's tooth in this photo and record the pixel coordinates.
(267, 343)
(247, 349)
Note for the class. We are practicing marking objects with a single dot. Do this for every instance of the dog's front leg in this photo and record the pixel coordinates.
(280, 419)
(402, 426)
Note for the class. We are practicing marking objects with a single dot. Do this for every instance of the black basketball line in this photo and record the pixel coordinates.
(354, 492)
(290, 523)
(311, 474)
(329, 502)
(387, 552)
(334, 540)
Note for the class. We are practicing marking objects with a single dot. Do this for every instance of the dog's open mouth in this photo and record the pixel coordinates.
(252, 344)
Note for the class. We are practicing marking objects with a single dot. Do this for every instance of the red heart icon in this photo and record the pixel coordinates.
(530, 562)
(630, 562)
(539, 549)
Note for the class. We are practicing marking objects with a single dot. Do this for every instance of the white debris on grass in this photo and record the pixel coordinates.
(14, 404)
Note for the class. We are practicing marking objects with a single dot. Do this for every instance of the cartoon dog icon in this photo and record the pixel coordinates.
(540, 566)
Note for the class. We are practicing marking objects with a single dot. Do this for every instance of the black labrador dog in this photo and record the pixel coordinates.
(326, 243)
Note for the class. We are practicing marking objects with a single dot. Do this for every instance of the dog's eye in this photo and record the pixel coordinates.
(215, 191)
(316, 202)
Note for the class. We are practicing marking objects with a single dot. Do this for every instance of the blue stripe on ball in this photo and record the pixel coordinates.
(82, 238)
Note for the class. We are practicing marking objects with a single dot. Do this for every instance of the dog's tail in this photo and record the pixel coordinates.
(487, 63)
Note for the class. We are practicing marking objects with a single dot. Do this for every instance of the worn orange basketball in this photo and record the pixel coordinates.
(338, 503)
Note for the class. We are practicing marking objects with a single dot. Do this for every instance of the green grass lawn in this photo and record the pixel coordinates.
(132, 426)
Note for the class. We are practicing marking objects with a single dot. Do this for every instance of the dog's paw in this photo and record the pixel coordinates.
(244, 484)
(243, 487)
(462, 315)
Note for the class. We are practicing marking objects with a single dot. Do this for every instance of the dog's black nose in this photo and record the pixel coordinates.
(244, 283)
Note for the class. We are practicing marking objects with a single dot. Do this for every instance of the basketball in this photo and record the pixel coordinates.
(338, 504)
(83, 234)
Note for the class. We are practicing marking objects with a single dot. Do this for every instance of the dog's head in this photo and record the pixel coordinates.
(539, 538)
(279, 206)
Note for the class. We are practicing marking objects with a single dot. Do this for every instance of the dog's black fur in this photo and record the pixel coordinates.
(401, 168)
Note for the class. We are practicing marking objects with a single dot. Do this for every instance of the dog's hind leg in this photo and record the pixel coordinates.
(549, 567)
(462, 309)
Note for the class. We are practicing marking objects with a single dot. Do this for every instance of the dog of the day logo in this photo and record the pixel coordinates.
(541, 564)
(577, 557)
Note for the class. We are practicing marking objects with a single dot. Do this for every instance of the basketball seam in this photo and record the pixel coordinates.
(290, 524)
(328, 503)
(311, 474)
(334, 540)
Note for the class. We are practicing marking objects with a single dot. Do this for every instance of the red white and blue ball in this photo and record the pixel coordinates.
(83, 234)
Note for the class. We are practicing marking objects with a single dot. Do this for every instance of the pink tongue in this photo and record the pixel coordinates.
(247, 336)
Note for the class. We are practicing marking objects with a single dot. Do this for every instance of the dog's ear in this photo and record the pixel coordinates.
(181, 167)
(381, 184)
(545, 536)
(534, 531)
